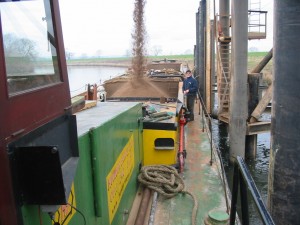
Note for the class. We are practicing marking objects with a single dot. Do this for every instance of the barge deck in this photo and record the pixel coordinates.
(201, 178)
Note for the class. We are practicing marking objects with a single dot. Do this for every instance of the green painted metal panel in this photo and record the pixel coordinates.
(84, 190)
(99, 148)
(108, 141)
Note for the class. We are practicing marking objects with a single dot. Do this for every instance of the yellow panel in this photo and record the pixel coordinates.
(118, 177)
(153, 156)
(65, 213)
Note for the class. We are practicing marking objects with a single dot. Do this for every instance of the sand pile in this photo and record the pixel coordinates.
(142, 87)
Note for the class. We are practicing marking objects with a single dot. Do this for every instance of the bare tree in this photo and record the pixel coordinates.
(99, 53)
(19, 47)
(156, 50)
(69, 54)
(20, 54)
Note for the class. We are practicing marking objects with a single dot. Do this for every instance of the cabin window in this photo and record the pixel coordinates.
(29, 45)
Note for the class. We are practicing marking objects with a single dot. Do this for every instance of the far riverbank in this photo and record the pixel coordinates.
(126, 61)
(110, 63)
(253, 59)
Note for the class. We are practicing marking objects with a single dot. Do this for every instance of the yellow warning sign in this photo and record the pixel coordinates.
(65, 213)
(118, 177)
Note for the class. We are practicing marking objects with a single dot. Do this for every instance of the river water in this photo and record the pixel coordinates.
(259, 166)
(80, 76)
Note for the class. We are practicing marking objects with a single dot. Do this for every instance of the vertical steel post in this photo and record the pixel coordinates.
(284, 179)
(207, 46)
(212, 61)
(251, 146)
(224, 24)
(253, 86)
(224, 16)
(196, 47)
(201, 48)
(253, 82)
(238, 85)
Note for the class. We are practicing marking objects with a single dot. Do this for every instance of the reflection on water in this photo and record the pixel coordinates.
(80, 76)
(258, 167)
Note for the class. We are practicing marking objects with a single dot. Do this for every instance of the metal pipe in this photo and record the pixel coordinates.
(224, 8)
(284, 180)
(238, 86)
(201, 47)
(212, 61)
(196, 47)
(244, 201)
(208, 52)
(181, 156)
(140, 219)
(243, 176)
(249, 182)
(235, 186)
(153, 209)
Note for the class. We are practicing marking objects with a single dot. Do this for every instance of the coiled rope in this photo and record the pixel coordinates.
(166, 181)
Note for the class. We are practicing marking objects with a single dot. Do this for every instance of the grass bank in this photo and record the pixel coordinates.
(126, 61)
(253, 59)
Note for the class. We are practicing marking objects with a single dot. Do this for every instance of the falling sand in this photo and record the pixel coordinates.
(137, 84)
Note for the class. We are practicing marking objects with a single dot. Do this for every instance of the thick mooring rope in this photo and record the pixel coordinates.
(166, 181)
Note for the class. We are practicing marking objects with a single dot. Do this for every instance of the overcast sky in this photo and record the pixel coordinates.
(106, 26)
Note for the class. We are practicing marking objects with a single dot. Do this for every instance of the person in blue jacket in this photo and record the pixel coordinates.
(190, 88)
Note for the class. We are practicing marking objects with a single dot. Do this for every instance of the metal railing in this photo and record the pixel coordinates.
(243, 178)
(213, 147)
(257, 22)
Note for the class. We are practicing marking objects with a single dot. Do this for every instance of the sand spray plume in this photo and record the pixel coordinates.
(138, 36)
(138, 85)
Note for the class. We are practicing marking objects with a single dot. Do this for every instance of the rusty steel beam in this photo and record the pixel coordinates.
(262, 105)
(258, 128)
